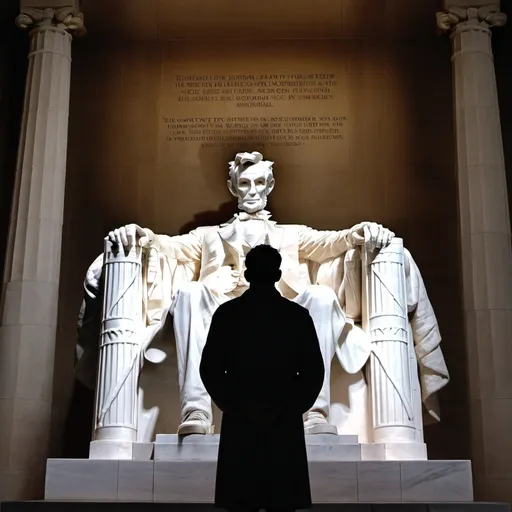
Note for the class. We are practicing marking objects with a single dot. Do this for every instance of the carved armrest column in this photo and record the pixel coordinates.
(116, 405)
(485, 239)
(31, 280)
(395, 400)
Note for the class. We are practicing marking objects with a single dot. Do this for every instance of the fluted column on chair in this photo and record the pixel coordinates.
(395, 400)
(116, 408)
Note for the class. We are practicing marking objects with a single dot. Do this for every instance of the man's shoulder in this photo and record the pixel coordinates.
(229, 306)
(293, 307)
(296, 317)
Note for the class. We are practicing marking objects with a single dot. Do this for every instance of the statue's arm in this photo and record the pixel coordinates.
(319, 246)
(184, 248)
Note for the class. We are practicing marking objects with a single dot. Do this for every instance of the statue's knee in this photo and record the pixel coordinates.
(322, 294)
(191, 290)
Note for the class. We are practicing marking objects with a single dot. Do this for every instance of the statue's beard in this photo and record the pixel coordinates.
(252, 207)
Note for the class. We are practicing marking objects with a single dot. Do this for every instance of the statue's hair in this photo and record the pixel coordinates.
(244, 160)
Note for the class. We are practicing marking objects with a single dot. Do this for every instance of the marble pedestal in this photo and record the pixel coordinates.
(183, 471)
(52, 506)
(170, 447)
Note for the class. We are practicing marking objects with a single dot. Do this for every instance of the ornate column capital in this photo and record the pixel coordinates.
(65, 18)
(459, 17)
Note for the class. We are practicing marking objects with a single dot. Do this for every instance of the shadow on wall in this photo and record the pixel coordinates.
(79, 421)
(502, 47)
(432, 174)
(13, 69)
(211, 218)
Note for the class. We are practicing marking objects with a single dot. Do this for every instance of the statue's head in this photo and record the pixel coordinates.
(251, 180)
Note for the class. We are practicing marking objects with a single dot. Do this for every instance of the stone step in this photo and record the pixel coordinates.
(314, 439)
(169, 447)
(52, 506)
(194, 481)
(208, 451)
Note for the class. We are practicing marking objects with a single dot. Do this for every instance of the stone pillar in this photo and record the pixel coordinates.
(31, 280)
(485, 241)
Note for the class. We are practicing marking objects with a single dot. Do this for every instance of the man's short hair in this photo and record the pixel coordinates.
(263, 262)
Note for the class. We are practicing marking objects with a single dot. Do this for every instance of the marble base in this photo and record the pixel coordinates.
(394, 451)
(215, 438)
(52, 506)
(182, 481)
(171, 447)
(120, 450)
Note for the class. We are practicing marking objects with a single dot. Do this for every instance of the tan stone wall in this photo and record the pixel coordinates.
(394, 163)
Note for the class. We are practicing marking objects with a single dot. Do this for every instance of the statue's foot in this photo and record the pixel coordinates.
(196, 423)
(316, 423)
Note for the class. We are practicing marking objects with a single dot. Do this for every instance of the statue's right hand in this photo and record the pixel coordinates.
(128, 236)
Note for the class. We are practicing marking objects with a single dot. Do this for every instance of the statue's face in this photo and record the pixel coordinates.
(251, 187)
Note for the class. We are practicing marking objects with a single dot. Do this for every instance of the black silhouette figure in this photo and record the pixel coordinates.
(263, 368)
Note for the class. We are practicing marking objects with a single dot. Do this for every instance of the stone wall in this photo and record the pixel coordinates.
(357, 131)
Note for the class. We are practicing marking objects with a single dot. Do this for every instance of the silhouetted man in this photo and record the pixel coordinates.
(263, 367)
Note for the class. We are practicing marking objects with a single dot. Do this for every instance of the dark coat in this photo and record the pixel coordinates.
(263, 368)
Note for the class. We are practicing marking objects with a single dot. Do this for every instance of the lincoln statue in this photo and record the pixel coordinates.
(188, 276)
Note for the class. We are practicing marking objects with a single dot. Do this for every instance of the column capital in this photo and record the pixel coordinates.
(67, 18)
(470, 14)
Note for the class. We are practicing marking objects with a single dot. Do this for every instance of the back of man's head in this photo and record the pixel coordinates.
(263, 265)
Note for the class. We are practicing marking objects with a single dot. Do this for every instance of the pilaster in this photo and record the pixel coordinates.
(485, 240)
(31, 278)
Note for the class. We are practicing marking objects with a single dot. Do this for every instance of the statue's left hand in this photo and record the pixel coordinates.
(128, 236)
(371, 235)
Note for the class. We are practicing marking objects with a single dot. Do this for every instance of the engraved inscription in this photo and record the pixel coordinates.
(274, 131)
(256, 90)
(263, 109)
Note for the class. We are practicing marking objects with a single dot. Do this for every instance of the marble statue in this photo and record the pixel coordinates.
(361, 287)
